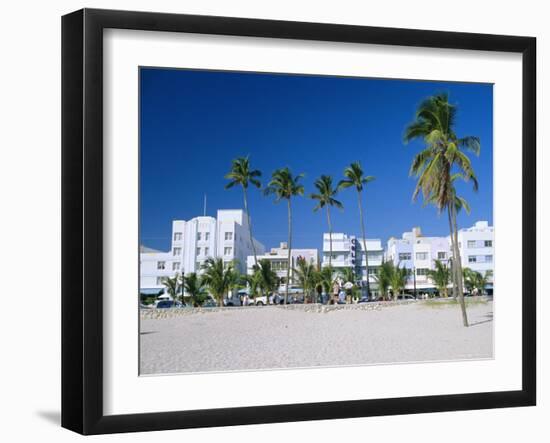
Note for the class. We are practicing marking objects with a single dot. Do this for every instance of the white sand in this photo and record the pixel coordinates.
(278, 337)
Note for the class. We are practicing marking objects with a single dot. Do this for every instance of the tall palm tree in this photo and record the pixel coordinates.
(219, 277)
(195, 289)
(460, 203)
(305, 274)
(443, 152)
(325, 199)
(172, 285)
(284, 186)
(355, 178)
(441, 276)
(241, 174)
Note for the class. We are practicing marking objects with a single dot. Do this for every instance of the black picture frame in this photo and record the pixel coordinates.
(82, 215)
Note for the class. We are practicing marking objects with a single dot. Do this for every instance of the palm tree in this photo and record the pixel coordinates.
(195, 289)
(305, 274)
(172, 285)
(384, 278)
(285, 186)
(398, 279)
(241, 174)
(459, 204)
(443, 152)
(476, 280)
(324, 279)
(355, 178)
(441, 276)
(469, 276)
(325, 199)
(267, 278)
(219, 277)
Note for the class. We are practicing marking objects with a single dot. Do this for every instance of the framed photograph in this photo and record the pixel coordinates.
(269, 221)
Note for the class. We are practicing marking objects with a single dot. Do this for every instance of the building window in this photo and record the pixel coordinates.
(472, 259)
(198, 251)
(175, 265)
(488, 243)
(471, 243)
(206, 251)
(421, 255)
(177, 236)
(161, 265)
(198, 265)
(404, 256)
(229, 236)
(422, 271)
(488, 259)
(176, 251)
(160, 280)
(373, 271)
(198, 236)
(459, 245)
(441, 255)
(227, 251)
(207, 236)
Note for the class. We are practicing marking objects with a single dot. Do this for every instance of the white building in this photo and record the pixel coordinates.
(347, 252)
(278, 257)
(195, 240)
(418, 253)
(476, 246)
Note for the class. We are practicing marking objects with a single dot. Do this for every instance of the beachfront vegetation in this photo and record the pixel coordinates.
(398, 279)
(172, 285)
(476, 280)
(241, 174)
(391, 276)
(306, 275)
(434, 167)
(356, 179)
(441, 277)
(284, 185)
(195, 289)
(325, 199)
(383, 278)
(219, 277)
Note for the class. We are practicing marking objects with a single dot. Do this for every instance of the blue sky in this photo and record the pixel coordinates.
(193, 123)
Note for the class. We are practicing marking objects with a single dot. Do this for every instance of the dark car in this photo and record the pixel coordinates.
(165, 304)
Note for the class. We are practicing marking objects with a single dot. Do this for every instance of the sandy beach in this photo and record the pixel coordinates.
(306, 336)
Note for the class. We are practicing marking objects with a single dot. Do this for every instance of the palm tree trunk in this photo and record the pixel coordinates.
(289, 250)
(453, 264)
(364, 241)
(329, 237)
(458, 265)
(250, 227)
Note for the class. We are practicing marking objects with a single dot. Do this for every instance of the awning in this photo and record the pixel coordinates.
(151, 291)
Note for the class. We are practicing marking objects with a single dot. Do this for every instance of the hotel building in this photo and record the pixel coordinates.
(195, 240)
(278, 258)
(418, 253)
(347, 252)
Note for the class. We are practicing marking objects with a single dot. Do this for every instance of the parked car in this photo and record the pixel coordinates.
(165, 304)
(405, 297)
(210, 303)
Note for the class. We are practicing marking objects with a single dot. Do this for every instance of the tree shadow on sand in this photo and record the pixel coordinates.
(488, 316)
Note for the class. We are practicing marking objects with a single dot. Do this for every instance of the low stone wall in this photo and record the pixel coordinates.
(153, 313)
